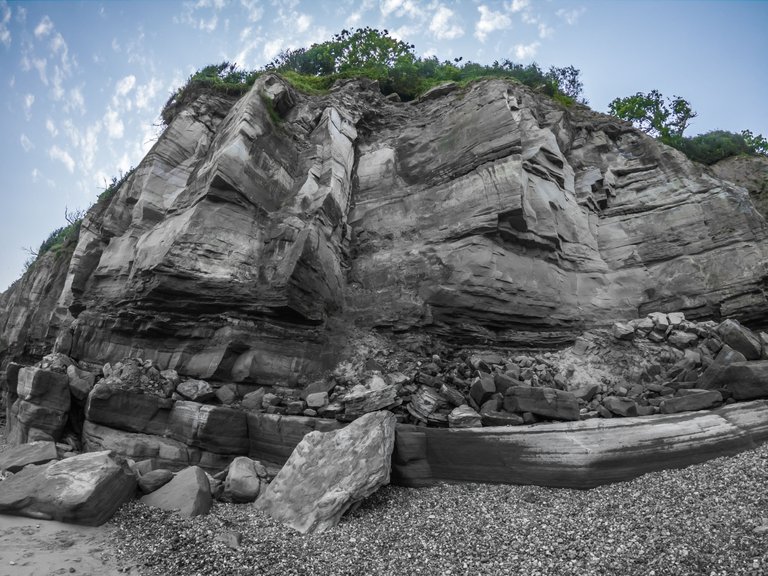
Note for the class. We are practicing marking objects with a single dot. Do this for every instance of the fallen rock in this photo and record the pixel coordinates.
(227, 394)
(620, 406)
(154, 480)
(196, 390)
(328, 473)
(740, 338)
(682, 340)
(547, 402)
(80, 382)
(85, 489)
(623, 331)
(44, 388)
(464, 417)
(745, 380)
(711, 378)
(691, 400)
(317, 399)
(246, 479)
(16, 458)
(375, 396)
(188, 494)
(482, 388)
(254, 400)
(500, 418)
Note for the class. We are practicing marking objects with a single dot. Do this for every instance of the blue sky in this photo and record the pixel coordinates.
(84, 82)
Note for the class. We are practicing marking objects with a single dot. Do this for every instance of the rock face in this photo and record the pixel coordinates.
(243, 248)
(328, 473)
(85, 489)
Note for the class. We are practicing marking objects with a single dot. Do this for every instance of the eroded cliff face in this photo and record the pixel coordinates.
(257, 233)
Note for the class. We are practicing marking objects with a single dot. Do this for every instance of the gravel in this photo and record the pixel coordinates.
(709, 519)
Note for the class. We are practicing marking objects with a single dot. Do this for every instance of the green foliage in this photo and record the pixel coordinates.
(654, 114)
(374, 54)
(270, 106)
(112, 188)
(224, 78)
(60, 237)
(719, 144)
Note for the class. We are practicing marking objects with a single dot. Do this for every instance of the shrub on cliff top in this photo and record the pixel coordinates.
(374, 54)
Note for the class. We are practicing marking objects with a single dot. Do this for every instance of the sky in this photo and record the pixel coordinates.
(83, 83)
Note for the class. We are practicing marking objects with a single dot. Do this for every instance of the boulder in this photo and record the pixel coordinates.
(586, 392)
(317, 399)
(711, 378)
(328, 473)
(254, 400)
(426, 402)
(691, 400)
(227, 394)
(454, 397)
(464, 417)
(196, 390)
(740, 339)
(547, 402)
(375, 395)
(246, 479)
(188, 494)
(80, 382)
(745, 380)
(682, 340)
(84, 489)
(620, 406)
(154, 480)
(44, 388)
(623, 331)
(16, 458)
(482, 388)
(37, 422)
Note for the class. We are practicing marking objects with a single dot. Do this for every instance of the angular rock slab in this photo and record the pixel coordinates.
(85, 489)
(580, 454)
(188, 494)
(328, 473)
(16, 458)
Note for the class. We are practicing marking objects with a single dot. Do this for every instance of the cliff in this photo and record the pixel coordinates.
(258, 232)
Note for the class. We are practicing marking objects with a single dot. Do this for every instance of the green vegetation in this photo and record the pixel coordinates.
(114, 185)
(373, 54)
(667, 119)
(224, 78)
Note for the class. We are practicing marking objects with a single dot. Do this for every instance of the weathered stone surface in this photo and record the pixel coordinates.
(215, 429)
(482, 388)
(620, 406)
(253, 400)
(317, 399)
(740, 338)
(273, 436)
(163, 452)
(195, 390)
(691, 400)
(84, 489)
(464, 417)
(546, 402)
(623, 331)
(745, 380)
(80, 382)
(129, 410)
(188, 494)
(154, 479)
(246, 236)
(373, 396)
(712, 377)
(500, 418)
(682, 340)
(246, 479)
(44, 388)
(16, 458)
(426, 402)
(328, 473)
(581, 454)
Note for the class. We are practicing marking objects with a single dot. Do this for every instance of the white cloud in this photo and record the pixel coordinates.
(545, 31)
(490, 21)
(115, 45)
(29, 99)
(21, 14)
(517, 5)
(146, 93)
(124, 164)
(26, 143)
(272, 48)
(51, 127)
(43, 28)
(401, 8)
(89, 145)
(63, 156)
(125, 85)
(5, 17)
(570, 16)
(443, 26)
(302, 23)
(114, 124)
(76, 101)
(526, 51)
(253, 9)
(202, 14)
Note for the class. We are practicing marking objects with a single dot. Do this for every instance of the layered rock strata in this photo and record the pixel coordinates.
(256, 232)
